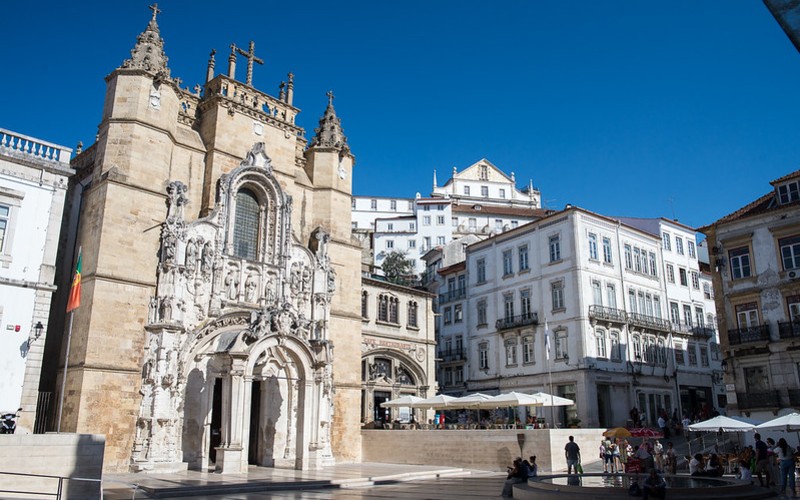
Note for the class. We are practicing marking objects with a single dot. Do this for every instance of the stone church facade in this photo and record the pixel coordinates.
(219, 319)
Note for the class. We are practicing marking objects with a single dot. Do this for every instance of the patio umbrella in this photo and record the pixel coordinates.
(438, 401)
(401, 402)
(550, 400)
(471, 401)
(617, 433)
(727, 424)
(510, 399)
(788, 423)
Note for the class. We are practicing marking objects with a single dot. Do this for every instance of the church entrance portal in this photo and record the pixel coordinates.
(216, 421)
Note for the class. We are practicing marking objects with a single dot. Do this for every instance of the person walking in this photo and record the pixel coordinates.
(762, 461)
(658, 451)
(672, 459)
(573, 454)
(785, 457)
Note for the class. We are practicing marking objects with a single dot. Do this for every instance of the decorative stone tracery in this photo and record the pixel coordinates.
(260, 323)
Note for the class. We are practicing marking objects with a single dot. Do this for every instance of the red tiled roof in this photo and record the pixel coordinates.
(786, 177)
(495, 210)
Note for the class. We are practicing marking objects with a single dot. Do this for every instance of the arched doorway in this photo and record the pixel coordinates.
(389, 374)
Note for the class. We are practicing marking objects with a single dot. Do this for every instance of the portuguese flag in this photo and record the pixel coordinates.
(75, 291)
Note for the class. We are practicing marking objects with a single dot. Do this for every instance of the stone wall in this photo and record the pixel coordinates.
(478, 449)
(64, 455)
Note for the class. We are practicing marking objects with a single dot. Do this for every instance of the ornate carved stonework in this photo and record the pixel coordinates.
(212, 306)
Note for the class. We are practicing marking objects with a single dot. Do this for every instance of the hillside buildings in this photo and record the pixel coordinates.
(607, 291)
(480, 200)
(33, 185)
(755, 253)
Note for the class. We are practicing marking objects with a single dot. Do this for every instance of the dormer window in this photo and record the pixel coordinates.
(789, 192)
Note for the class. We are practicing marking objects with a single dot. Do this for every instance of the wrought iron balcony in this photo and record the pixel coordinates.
(750, 334)
(458, 293)
(789, 329)
(517, 321)
(449, 355)
(608, 314)
(651, 322)
(703, 332)
(766, 399)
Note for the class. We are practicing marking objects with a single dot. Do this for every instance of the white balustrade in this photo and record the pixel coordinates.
(19, 144)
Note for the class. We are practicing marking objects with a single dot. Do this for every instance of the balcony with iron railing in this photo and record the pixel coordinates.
(749, 334)
(788, 329)
(458, 293)
(701, 331)
(517, 321)
(765, 399)
(650, 322)
(450, 355)
(608, 314)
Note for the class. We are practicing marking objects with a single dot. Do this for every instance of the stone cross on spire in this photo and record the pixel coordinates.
(251, 57)
(330, 97)
(156, 10)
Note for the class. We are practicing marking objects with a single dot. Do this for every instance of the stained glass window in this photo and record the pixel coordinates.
(245, 226)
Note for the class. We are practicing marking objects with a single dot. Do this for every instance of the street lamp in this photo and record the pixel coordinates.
(37, 332)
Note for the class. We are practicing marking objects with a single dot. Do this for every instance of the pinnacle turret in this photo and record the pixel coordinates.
(148, 53)
(329, 134)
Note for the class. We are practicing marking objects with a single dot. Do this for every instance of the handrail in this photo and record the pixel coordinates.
(60, 484)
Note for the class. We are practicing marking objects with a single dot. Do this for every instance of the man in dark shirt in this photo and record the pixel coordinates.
(762, 460)
(573, 454)
(654, 486)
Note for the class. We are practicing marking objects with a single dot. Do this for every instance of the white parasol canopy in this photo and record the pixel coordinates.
(511, 399)
(789, 423)
(550, 400)
(438, 401)
(401, 402)
(727, 424)
(470, 401)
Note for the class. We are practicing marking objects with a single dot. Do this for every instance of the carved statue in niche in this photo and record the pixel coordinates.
(269, 288)
(152, 312)
(295, 279)
(331, 281)
(168, 247)
(166, 309)
(303, 326)
(401, 376)
(208, 259)
(232, 284)
(250, 287)
(191, 255)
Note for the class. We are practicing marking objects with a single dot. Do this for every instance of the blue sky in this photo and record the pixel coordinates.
(635, 108)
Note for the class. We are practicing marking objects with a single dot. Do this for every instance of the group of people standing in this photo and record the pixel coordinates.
(617, 453)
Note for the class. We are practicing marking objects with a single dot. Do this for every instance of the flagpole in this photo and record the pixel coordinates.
(64, 377)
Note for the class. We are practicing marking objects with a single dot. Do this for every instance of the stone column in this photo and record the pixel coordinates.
(229, 455)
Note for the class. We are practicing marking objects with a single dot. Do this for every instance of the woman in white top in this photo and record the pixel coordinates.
(785, 456)
(696, 465)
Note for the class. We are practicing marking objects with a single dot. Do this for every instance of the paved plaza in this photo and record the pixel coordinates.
(366, 480)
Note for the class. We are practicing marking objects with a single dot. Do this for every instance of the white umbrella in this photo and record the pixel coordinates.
(401, 402)
(789, 423)
(550, 400)
(471, 401)
(727, 424)
(438, 401)
(510, 399)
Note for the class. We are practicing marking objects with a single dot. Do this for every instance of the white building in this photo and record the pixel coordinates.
(599, 285)
(692, 312)
(480, 200)
(33, 183)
